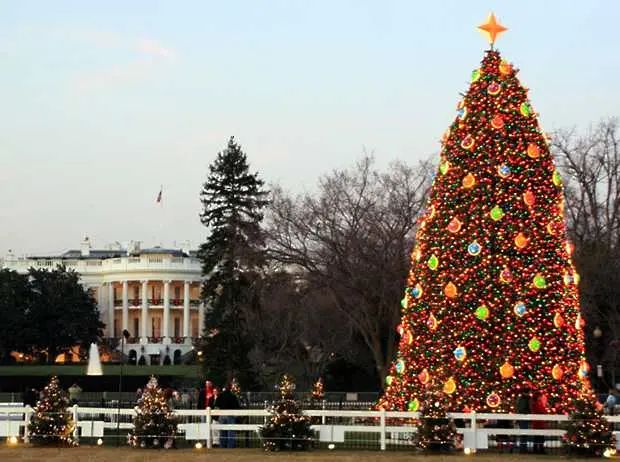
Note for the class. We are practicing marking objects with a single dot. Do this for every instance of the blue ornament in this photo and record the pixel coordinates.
(504, 170)
(400, 366)
(520, 308)
(474, 248)
(460, 353)
(416, 291)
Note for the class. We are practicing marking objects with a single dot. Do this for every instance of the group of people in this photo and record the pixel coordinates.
(532, 402)
(212, 397)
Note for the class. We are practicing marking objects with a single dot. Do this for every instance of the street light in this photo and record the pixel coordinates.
(124, 337)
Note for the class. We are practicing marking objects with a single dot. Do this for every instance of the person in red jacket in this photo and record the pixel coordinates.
(539, 406)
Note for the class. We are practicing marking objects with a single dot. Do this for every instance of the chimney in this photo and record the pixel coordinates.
(134, 248)
(85, 247)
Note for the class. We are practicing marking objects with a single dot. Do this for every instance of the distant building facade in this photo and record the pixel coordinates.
(153, 293)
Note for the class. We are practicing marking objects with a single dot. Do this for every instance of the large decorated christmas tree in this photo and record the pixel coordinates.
(491, 301)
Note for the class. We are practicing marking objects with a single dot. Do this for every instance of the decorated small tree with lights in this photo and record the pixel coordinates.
(52, 422)
(155, 426)
(318, 391)
(436, 431)
(491, 298)
(287, 428)
(588, 433)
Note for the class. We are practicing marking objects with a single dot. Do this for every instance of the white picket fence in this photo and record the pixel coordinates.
(394, 428)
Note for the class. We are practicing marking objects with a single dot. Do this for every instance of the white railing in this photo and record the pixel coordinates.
(110, 265)
(197, 425)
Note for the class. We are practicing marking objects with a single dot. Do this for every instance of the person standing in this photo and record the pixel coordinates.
(74, 393)
(611, 401)
(524, 406)
(539, 406)
(227, 400)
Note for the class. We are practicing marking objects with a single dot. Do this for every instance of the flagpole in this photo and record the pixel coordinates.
(159, 200)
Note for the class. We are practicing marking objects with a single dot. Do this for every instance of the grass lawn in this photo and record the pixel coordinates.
(90, 454)
(183, 370)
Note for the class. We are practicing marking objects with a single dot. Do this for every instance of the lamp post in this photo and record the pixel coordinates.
(124, 337)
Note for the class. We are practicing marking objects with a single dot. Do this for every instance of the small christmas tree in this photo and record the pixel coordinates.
(318, 391)
(588, 433)
(154, 423)
(436, 431)
(287, 427)
(52, 423)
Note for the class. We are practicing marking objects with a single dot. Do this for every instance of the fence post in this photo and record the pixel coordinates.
(27, 417)
(74, 411)
(209, 440)
(382, 423)
(323, 417)
(474, 426)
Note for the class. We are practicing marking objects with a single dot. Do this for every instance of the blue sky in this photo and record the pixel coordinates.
(102, 102)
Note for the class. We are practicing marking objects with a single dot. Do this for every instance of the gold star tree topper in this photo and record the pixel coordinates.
(492, 29)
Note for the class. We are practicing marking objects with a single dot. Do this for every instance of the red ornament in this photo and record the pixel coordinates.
(468, 142)
(454, 226)
(529, 198)
(497, 122)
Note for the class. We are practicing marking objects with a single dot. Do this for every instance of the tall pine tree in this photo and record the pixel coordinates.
(232, 260)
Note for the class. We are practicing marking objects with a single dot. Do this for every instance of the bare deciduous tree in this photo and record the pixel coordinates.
(295, 331)
(352, 240)
(590, 165)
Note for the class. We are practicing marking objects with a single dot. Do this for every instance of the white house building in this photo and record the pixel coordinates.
(154, 293)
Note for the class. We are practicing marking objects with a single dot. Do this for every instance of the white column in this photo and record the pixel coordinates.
(166, 312)
(110, 309)
(201, 318)
(100, 294)
(186, 332)
(144, 330)
(125, 306)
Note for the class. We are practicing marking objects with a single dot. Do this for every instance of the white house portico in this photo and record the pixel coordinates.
(153, 293)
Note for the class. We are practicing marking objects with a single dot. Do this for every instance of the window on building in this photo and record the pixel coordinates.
(177, 327)
(117, 327)
(195, 328)
(116, 296)
(177, 293)
(136, 327)
(156, 327)
(136, 292)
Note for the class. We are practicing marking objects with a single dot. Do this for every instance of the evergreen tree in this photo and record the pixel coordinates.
(287, 428)
(52, 422)
(232, 258)
(492, 291)
(588, 433)
(155, 425)
(436, 431)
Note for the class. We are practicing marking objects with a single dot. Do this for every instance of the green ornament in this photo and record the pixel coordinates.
(443, 167)
(388, 380)
(497, 213)
(557, 178)
(525, 109)
(475, 75)
(433, 262)
(534, 345)
(540, 282)
(482, 312)
(414, 405)
(403, 302)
